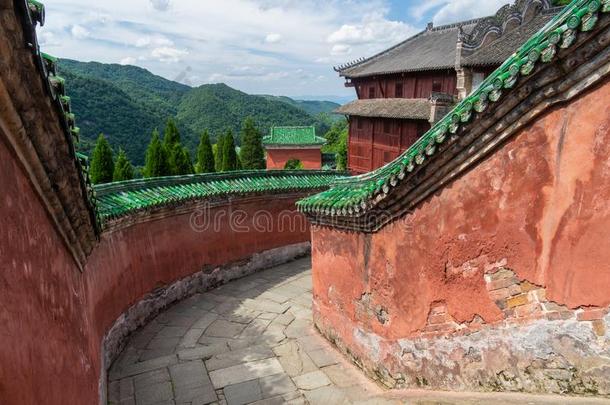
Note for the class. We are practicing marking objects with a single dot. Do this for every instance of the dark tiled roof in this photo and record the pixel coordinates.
(429, 50)
(297, 136)
(501, 49)
(388, 108)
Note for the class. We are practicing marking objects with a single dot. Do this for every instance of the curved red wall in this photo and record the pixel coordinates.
(53, 317)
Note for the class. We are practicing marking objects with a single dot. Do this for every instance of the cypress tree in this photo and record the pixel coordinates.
(229, 156)
(218, 156)
(171, 135)
(102, 166)
(182, 161)
(156, 158)
(123, 170)
(205, 155)
(171, 139)
(252, 154)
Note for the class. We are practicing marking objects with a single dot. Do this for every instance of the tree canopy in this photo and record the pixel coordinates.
(294, 164)
(229, 156)
(252, 154)
(102, 165)
(123, 170)
(205, 155)
(156, 158)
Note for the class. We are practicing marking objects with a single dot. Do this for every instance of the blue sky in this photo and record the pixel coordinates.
(280, 47)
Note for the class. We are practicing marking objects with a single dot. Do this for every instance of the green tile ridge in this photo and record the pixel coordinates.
(116, 200)
(297, 136)
(355, 195)
(56, 87)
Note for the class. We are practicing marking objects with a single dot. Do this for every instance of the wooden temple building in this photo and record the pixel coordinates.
(403, 90)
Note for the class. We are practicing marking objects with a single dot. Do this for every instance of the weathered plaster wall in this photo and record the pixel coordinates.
(277, 158)
(521, 239)
(54, 318)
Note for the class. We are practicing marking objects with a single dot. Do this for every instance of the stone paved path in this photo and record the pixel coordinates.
(252, 341)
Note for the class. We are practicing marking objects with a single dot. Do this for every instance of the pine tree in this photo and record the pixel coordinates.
(171, 135)
(172, 146)
(252, 154)
(219, 149)
(123, 170)
(156, 158)
(182, 161)
(205, 155)
(102, 166)
(229, 156)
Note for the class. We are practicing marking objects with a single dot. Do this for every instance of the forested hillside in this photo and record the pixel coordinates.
(127, 103)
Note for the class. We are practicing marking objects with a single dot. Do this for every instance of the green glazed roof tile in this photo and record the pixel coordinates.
(119, 199)
(297, 136)
(351, 195)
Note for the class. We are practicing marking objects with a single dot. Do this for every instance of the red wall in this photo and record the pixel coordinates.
(538, 206)
(53, 317)
(311, 158)
(370, 146)
(47, 354)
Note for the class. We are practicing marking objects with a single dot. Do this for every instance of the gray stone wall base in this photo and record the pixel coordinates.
(563, 357)
(151, 305)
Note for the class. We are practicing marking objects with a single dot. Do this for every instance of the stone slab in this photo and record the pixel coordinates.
(245, 372)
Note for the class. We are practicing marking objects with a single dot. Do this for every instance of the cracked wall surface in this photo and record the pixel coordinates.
(500, 281)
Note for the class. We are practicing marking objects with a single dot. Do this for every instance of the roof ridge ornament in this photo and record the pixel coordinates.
(498, 22)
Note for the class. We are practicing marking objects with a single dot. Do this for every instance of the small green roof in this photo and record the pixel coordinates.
(298, 136)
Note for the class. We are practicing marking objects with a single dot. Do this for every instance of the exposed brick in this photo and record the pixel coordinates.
(438, 308)
(553, 307)
(527, 286)
(501, 274)
(517, 301)
(437, 319)
(591, 314)
(502, 283)
(500, 294)
(538, 295)
(599, 327)
(526, 310)
(444, 327)
(514, 289)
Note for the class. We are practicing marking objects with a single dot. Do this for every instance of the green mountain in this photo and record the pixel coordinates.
(313, 107)
(126, 103)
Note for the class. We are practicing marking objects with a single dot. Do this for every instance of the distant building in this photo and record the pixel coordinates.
(404, 90)
(293, 143)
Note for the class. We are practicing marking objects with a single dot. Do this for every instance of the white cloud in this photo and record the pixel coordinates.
(374, 28)
(156, 42)
(168, 55)
(160, 5)
(458, 10)
(273, 38)
(341, 50)
(48, 38)
(80, 32)
(128, 61)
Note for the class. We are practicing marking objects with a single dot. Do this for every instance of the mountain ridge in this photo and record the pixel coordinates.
(127, 103)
